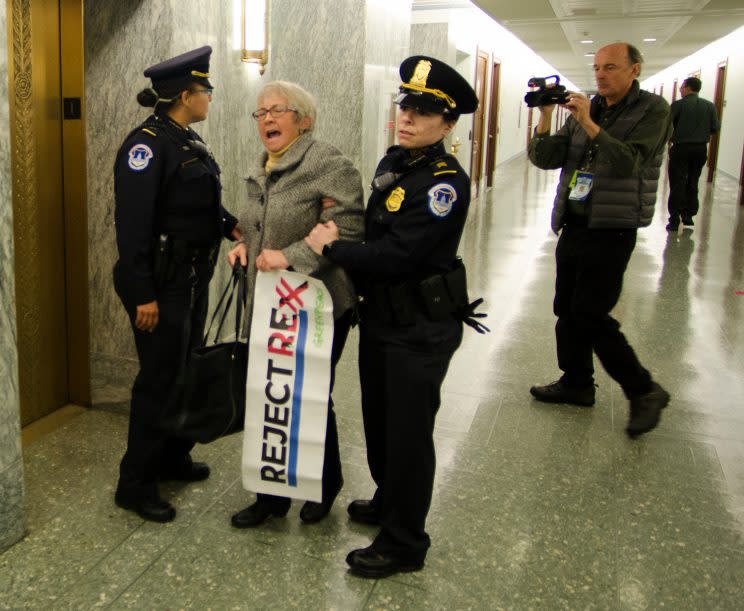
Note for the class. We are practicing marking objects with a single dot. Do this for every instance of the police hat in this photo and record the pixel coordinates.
(177, 73)
(432, 85)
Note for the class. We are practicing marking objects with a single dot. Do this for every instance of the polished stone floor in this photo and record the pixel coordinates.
(536, 506)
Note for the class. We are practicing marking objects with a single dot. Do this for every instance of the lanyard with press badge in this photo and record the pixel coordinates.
(582, 179)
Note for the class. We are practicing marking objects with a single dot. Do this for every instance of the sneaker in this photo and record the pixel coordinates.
(558, 392)
(645, 411)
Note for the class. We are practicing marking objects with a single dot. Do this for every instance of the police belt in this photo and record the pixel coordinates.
(438, 297)
(182, 251)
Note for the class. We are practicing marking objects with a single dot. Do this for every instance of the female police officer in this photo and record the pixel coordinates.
(169, 222)
(414, 300)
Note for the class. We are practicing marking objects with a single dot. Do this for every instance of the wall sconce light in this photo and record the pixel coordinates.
(255, 38)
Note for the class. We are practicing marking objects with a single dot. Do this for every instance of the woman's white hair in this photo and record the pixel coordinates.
(297, 98)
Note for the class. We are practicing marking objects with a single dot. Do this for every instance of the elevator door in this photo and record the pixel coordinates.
(49, 217)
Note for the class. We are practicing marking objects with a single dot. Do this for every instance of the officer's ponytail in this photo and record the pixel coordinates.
(148, 97)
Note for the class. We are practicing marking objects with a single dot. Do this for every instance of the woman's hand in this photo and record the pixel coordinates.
(147, 315)
(270, 260)
(320, 235)
(239, 252)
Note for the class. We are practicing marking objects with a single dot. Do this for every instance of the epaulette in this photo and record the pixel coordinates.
(147, 130)
(439, 166)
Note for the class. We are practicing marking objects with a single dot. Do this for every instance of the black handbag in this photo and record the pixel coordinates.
(213, 403)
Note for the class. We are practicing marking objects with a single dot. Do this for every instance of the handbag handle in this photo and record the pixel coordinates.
(236, 284)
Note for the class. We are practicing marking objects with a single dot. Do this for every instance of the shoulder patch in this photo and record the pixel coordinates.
(442, 198)
(139, 157)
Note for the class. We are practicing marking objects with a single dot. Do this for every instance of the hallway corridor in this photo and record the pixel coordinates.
(536, 506)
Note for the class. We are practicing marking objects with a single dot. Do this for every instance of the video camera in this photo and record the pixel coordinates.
(546, 93)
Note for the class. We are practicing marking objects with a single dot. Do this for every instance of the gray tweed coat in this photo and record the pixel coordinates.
(284, 206)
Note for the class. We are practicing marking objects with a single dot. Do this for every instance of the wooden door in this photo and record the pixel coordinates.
(476, 159)
(493, 124)
(718, 101)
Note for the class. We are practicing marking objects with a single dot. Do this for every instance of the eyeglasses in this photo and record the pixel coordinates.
(209, 91)
(276, 111)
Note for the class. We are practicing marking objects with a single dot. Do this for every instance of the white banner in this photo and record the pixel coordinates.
(289, 376)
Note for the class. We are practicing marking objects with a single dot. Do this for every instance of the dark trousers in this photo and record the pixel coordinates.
(332, 476)
(686, 162)
(401, 371)
(590, 266)
(182, 305)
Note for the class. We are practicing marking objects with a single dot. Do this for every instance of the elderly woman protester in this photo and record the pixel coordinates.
(299, 182)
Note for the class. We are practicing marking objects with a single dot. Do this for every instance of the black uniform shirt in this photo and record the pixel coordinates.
(694, 120)
(413, 226)
(163, 185)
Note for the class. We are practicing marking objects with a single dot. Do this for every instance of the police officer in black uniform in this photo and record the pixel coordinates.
(414, 303)
(169, 223)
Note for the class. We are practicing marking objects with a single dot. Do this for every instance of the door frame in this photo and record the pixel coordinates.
(72, 196)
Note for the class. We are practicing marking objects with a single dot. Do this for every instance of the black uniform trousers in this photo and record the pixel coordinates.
(589, 278)
(401, 369)
(182, 304)
(686, 162)
(332, 476)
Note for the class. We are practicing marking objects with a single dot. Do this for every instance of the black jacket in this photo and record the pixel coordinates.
(165, 182)
(413, 224)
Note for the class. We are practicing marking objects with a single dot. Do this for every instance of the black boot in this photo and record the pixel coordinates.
(312, 512)
(364, 512)
(151, 507)
(645, 411)
(256, 514)
(558, 392)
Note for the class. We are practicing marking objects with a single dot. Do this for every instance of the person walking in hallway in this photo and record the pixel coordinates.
(609, 151)
(694, 121)
(169, 222)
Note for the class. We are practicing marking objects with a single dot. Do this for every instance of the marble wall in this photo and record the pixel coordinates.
(338, 49)
(11, 467)
(387, 30)
(432, 39)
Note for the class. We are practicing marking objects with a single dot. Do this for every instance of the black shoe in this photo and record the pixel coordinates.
(645, 411)
(672, 226)
(369, 563)
(687, 220)
(193, 472)
(558, 392)
(256, 514)
(152, 509)
(364, 512)
(312, 512)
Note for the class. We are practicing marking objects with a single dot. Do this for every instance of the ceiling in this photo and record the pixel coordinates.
(554, 29)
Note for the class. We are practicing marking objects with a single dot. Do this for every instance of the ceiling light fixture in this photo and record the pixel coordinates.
(588, 54)
(586, 42)
(649, 40)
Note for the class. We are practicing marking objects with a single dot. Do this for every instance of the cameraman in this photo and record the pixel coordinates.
(610, 151)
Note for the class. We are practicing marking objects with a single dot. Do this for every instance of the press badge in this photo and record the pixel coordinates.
(581, 186)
